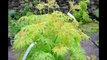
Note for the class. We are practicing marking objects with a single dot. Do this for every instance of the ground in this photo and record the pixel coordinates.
(11, 54)
(90, 48)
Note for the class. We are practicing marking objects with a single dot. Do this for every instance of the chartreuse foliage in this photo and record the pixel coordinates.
(80, 11)
(56, 38)
(50, 4)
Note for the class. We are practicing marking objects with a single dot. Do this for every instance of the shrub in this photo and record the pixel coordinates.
(54, 35)
(80, 11)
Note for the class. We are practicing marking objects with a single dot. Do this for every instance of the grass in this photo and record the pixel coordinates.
(90, 28)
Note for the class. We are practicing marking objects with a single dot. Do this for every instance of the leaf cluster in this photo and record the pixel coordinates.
(80, 11)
